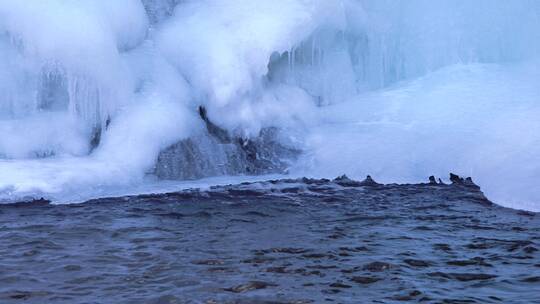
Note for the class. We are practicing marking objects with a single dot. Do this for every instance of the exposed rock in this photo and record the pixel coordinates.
(368, 181)
(345, 181)
(215, 152)
(455, 179)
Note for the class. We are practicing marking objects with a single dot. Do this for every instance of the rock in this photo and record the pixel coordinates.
(345, 181)
(455, 179)
(432, 180)
(216, 152)
(368, 181)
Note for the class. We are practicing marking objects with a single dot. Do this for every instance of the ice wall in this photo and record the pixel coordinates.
(96, 89)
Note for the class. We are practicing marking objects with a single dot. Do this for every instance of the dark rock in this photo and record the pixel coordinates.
(455, 179)
(216, 152)
(220, 134)
(432, 180)
(345, 181)
(368, 182)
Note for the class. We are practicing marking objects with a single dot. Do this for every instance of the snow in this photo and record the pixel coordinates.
(400, 89)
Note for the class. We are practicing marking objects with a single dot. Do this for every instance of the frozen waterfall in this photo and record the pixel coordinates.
(98, 94)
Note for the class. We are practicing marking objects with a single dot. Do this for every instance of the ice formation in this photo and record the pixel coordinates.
(97, 93)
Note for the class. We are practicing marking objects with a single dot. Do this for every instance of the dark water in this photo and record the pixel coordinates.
(295, 241)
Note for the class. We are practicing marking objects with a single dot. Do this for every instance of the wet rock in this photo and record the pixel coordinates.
(216, 152)
(345, 181)
(368, 182)
(432, 180)
(456, 179)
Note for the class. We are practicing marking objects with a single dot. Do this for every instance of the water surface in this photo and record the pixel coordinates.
(288, 241)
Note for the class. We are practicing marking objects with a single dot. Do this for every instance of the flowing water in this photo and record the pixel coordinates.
(281, 241)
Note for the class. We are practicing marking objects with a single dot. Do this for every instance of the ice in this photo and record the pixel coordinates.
(92, 91)
(477, 120)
